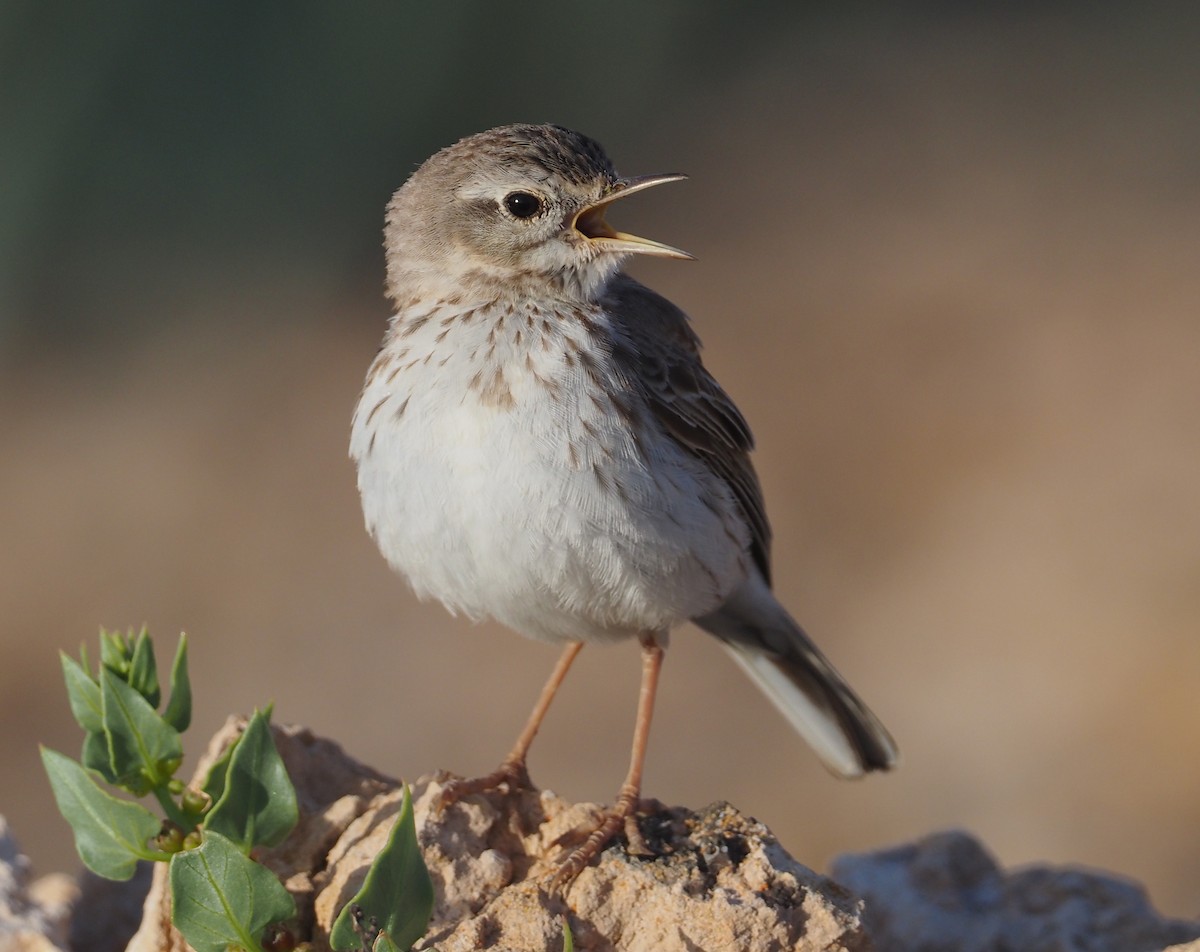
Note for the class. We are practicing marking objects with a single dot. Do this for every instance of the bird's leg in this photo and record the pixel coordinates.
(629, 796)
(512, 771)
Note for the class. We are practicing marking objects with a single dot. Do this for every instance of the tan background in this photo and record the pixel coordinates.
(950, 269)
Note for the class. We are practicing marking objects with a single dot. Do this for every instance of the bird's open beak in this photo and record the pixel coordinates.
(590, 222)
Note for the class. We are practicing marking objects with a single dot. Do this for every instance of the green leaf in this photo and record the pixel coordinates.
(179, 709)
(568, 938)
(257, 806)
(114, 652)
(83, 694)
(397, 891)
(95, 755)
(384, 943)
(110, 834)
(144, 750)
(222, 899)
(143, 670)
(214, 780)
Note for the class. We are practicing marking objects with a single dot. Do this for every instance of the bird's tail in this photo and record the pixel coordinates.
(816, 700)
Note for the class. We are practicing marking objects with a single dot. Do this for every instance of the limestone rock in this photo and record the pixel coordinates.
(945, 892)
(33, 915)
(715, 880)
(107, 913)
(718, 879)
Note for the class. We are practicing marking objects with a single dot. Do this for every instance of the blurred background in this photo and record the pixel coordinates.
(950, 271)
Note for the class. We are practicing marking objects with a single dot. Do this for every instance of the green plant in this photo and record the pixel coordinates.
(391, 910)
(221, 899)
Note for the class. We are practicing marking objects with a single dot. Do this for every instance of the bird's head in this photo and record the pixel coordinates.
(513, 207)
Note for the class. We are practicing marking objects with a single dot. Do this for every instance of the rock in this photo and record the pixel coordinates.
(716, 880)
(719, 880)
(945, 892)
(108, 913)
(33, 915)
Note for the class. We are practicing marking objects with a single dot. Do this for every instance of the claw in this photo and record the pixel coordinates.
(622, 815)
(512, 775)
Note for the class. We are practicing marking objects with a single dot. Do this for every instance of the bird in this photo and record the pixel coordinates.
(538, 442)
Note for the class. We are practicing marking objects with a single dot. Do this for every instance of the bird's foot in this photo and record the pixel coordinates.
(512, 774)
(622, 814)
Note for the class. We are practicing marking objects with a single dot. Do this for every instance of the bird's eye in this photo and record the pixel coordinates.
(522, 204)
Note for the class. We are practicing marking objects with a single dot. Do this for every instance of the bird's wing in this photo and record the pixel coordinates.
(661, 359)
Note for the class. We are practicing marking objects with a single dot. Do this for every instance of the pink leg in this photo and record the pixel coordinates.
(631, 790)
(512, 772)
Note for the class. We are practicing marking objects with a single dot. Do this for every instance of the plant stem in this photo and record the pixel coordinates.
(172, 809)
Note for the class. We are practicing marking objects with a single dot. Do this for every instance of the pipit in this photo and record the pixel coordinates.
(538, 442)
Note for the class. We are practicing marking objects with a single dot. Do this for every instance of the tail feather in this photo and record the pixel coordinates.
(783, 661)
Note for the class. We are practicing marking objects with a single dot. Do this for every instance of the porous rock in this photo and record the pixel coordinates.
(945, 892)
(712, 880)
(33, 913)
(715, 880)
(107, 913)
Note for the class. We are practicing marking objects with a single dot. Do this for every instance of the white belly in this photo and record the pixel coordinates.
(524, 497)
